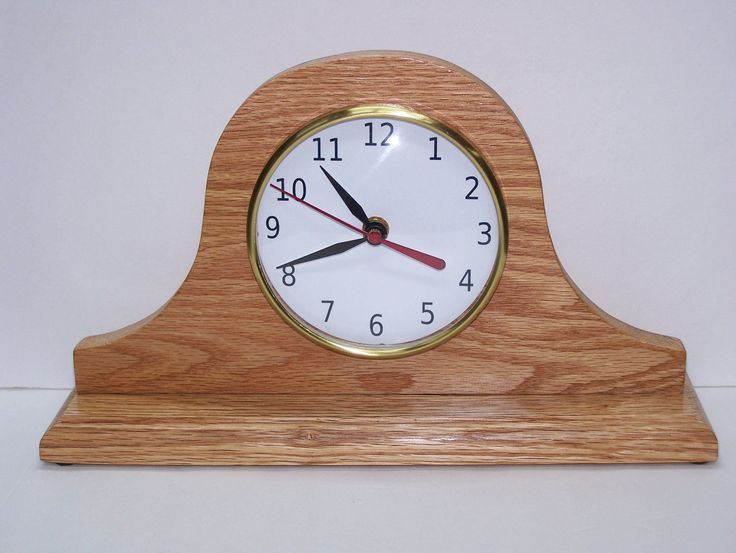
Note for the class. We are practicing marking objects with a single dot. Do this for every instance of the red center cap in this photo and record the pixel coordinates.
(375, 237)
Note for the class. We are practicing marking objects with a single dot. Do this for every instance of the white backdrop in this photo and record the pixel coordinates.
(110, 112)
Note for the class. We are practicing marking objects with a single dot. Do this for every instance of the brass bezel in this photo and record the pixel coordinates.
(351, 348)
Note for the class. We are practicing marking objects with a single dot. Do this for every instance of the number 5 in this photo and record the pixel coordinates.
(425, 305)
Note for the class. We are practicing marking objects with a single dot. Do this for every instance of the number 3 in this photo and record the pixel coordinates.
(486, 232)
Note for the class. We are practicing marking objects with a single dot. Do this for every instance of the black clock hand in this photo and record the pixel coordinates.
(334, 249)
(349, 201)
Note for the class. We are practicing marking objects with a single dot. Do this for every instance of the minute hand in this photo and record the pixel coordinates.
(354, 207)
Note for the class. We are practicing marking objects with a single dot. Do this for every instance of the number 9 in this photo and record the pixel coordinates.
(272, 224)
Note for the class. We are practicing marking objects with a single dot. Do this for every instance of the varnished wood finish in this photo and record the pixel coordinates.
(216, 377)
(274, 429)
(218, 334)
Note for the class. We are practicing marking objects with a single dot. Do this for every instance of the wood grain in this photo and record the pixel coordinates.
(216, 377)
(219, 335)
(231, 429)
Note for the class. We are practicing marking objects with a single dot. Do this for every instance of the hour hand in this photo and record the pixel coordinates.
(334, 249)
(354, 207)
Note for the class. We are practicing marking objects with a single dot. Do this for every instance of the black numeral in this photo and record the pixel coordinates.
(329, 303)
(370, 135)
(282, 197)
(333, 141)
(298, 189)
(272, 224)
(385, 141)
(376, 326)
(465, 281)
(425, 305)
(486, 233)
(434, 155)
(469, 195)
(319, 149)
(335, 157)
(288, 279)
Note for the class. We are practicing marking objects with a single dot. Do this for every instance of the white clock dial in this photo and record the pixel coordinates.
(377, 233)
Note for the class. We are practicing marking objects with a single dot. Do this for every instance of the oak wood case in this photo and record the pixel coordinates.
(217, 337)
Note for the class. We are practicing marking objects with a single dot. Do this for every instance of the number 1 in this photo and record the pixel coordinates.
(434, 156)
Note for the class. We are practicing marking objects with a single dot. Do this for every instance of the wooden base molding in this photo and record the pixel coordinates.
(379, 430)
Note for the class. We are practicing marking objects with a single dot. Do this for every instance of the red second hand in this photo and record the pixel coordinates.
(434, 262)
(318, 210)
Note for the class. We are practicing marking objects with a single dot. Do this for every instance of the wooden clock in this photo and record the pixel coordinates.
(376, 284)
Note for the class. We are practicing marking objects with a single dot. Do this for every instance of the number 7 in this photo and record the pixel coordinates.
(329, 308)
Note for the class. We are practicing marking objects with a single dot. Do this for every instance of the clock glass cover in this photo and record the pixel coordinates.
(377, 232)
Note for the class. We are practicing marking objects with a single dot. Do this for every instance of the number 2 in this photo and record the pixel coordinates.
(469, 195)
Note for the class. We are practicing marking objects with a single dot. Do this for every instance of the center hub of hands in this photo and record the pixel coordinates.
(377, 229)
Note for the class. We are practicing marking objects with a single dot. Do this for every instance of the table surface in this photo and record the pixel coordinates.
(668, 508)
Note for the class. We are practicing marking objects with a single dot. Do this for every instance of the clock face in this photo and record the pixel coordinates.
(377, 232)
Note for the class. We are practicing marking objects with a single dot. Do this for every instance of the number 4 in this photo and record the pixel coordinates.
(465, 281)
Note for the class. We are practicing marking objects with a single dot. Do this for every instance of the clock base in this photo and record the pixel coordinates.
(218, 429)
